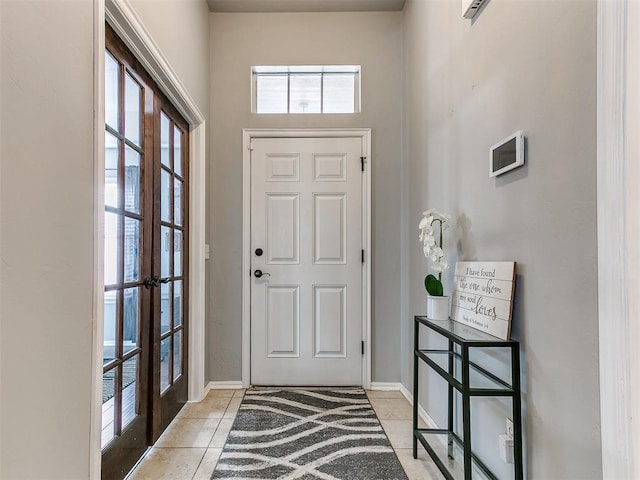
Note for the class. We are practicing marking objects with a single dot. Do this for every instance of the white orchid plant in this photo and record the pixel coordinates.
(433, 249)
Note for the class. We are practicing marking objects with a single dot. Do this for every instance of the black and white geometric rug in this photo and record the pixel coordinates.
(307, 434)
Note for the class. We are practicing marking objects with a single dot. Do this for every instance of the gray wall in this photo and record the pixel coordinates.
(46, 238)
(527, 65)
(238, 41)
(47, 220)
(180, 28)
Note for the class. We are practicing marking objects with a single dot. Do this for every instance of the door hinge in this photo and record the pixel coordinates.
(250, 147)
(362, 347)
(362, 159)
(362, 256)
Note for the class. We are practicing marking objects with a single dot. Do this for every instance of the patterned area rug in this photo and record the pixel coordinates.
(307, 434)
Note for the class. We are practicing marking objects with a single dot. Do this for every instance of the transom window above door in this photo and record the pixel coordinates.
(306, 89)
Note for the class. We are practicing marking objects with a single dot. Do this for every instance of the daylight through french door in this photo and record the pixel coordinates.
(145, 258)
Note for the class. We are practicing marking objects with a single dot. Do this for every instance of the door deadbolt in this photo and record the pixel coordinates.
(259, 252)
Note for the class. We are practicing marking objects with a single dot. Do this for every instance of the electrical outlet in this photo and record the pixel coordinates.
(509, 429)
(505, 448)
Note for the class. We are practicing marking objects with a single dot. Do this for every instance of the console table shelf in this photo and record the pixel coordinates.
(470, 380)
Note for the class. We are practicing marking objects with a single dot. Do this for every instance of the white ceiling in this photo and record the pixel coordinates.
(305, 5)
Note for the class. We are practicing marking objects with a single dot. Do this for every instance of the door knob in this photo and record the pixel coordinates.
(150, 282)
(260, 273)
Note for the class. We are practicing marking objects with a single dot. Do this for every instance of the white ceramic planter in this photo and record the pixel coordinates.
(437, 308)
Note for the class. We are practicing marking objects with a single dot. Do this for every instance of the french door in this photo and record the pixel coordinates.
(145, 277)
(170, 261)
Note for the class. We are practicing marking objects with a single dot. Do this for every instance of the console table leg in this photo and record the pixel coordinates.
(517, 413)
(466, 413)
(450, 402)
(416, 345)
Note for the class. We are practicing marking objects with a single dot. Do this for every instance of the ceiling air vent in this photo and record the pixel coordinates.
(471, 7)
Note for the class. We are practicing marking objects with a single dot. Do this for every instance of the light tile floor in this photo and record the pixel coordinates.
(190, 447)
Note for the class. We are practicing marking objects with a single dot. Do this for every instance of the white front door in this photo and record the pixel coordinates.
(306, 240)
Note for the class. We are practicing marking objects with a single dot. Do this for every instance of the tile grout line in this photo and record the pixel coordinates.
(198, 466)
(171, 449)
(385, 433)
(227, 436)
(211, 440)
(395, 449)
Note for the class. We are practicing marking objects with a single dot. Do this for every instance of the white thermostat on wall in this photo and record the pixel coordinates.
(507, 154)
(471, 7)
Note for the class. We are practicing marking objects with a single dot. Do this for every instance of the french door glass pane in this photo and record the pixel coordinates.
(131, 180)
(177, 201)
(177, 354)
(111, 87)
(131, 249)
(304, 94)
(132, 102)
(165, 252)
(110, 321)
(129, 390)
(131, 314)
(165, 308)
(108, 406)
(177, 253)
(177, 303)
(165, 196)
(110, 248)
(111, 161)
(165, 124)
(177, 151)
(165, 358)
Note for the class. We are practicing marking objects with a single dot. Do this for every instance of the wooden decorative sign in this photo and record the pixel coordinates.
(483, 296)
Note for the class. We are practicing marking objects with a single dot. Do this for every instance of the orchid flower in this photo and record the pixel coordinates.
(432, 249)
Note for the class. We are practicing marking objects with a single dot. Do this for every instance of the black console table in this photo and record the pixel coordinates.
(471, 380)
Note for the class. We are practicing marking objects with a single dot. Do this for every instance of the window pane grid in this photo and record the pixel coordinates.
(322, 93)
(173, 230)
(172, 225)
(123, 242)
(121, 138)
(133, 146)
(126, 213)
(112, 88)
(165, 335)
(133, 107)
(117, 420)
(130, 406)
(319, 90)
(165, 367)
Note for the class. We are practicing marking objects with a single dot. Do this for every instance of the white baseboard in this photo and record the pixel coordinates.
(385, 386)
(224, 385)
(219, 386)
(407, 394)
(422, 413)
(390, 386)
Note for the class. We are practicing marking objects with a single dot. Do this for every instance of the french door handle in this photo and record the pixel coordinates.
(260, 273)
(150, 282)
